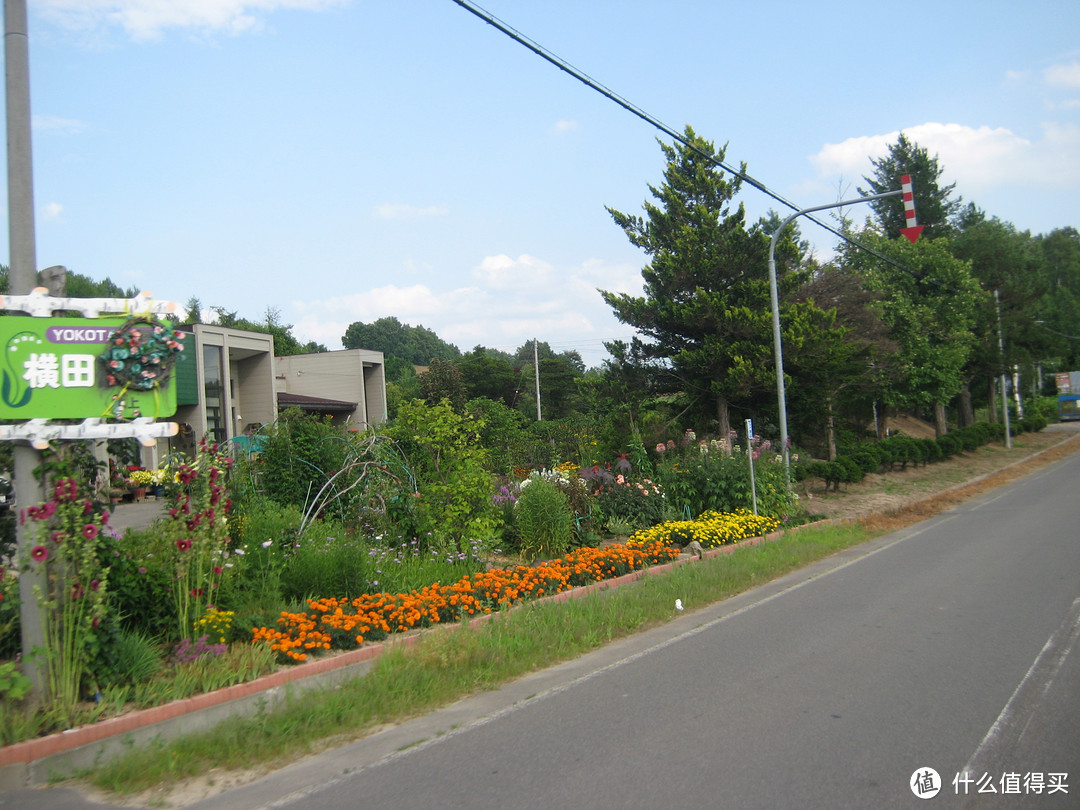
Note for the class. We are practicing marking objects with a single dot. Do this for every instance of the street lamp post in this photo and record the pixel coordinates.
(775, 299)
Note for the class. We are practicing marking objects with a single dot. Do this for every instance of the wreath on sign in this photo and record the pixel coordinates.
(141, 354)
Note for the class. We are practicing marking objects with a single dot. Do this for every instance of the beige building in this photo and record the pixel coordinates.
(228, 381)
(348, 385)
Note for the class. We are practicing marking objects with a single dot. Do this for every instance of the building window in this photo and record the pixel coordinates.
(214, 393)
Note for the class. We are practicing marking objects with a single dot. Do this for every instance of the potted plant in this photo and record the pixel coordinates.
(158, 482)
(139, 480)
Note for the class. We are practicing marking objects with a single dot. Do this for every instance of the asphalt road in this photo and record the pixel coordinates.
(951, 645)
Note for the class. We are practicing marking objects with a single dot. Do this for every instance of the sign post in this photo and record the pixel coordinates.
(750, 461)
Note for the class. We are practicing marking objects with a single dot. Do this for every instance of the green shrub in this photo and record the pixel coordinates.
(850, 473)
(451, 506)
(867, 461)
(300, 453)
(325, 566)
(135, 657)
(949, 445)
(635, 503)
(543, 519)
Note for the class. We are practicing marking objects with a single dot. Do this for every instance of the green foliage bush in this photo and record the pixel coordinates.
(325, 566)
(300, 453)
(700, 480)
(544, 519)
(637, 504)
(451, 506)
(949, 445)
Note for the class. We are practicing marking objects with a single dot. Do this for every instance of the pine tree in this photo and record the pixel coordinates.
(933, 207)
(705, 310)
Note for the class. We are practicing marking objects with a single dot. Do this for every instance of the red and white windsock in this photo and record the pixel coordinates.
(912, 230)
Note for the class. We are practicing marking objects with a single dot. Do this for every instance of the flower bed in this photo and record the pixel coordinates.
(711, 529)
(343, 624)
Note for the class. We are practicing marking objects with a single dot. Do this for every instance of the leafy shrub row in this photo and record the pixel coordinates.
(897, 452)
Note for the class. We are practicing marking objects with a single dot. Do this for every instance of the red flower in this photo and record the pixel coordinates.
(105, 518)
(90, 531)
(39, 553)
(77, 591)
(217, 569)
(94, 584)
(57, 537)
(183, 545)
(196, 592)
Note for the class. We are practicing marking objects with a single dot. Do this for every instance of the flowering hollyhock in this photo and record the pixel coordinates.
(72, 594)
(197, 532)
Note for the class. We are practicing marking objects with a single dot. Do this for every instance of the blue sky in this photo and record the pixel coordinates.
(345, 160)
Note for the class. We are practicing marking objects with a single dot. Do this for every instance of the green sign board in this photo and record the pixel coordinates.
(78, 368)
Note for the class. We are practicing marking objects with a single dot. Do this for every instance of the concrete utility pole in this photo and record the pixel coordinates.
(774, 296)
(22, 278)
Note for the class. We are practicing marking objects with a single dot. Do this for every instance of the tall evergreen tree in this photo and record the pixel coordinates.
(935, 209)
(705, 310)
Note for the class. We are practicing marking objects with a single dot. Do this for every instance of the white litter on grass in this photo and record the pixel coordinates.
(678, 604)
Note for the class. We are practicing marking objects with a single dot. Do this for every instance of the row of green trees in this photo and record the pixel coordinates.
(884, 326)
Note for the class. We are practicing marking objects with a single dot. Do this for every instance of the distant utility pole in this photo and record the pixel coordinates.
(536, 369)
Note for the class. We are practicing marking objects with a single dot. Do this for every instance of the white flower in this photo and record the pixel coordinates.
(268, 543)
(239, 551)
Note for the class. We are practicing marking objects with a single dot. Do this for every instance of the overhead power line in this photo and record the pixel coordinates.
(632, 108)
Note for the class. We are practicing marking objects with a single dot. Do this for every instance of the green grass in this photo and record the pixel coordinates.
(450, 664)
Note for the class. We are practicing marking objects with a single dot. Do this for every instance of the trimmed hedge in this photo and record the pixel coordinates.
(897, 452)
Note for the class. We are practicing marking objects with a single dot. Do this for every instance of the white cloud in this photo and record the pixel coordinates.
(53, 123)
(404, 211)
(510, 302)
(565, 126)
(978, 158)
(146, 19)
(1063, 75)
(53, 210)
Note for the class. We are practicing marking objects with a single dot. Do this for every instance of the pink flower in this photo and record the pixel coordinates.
(183, 545)
(39, 554)
(90, 531)
(196, 592)
(217, 569)
(660, 447)
(670, 444)
(57, 537)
